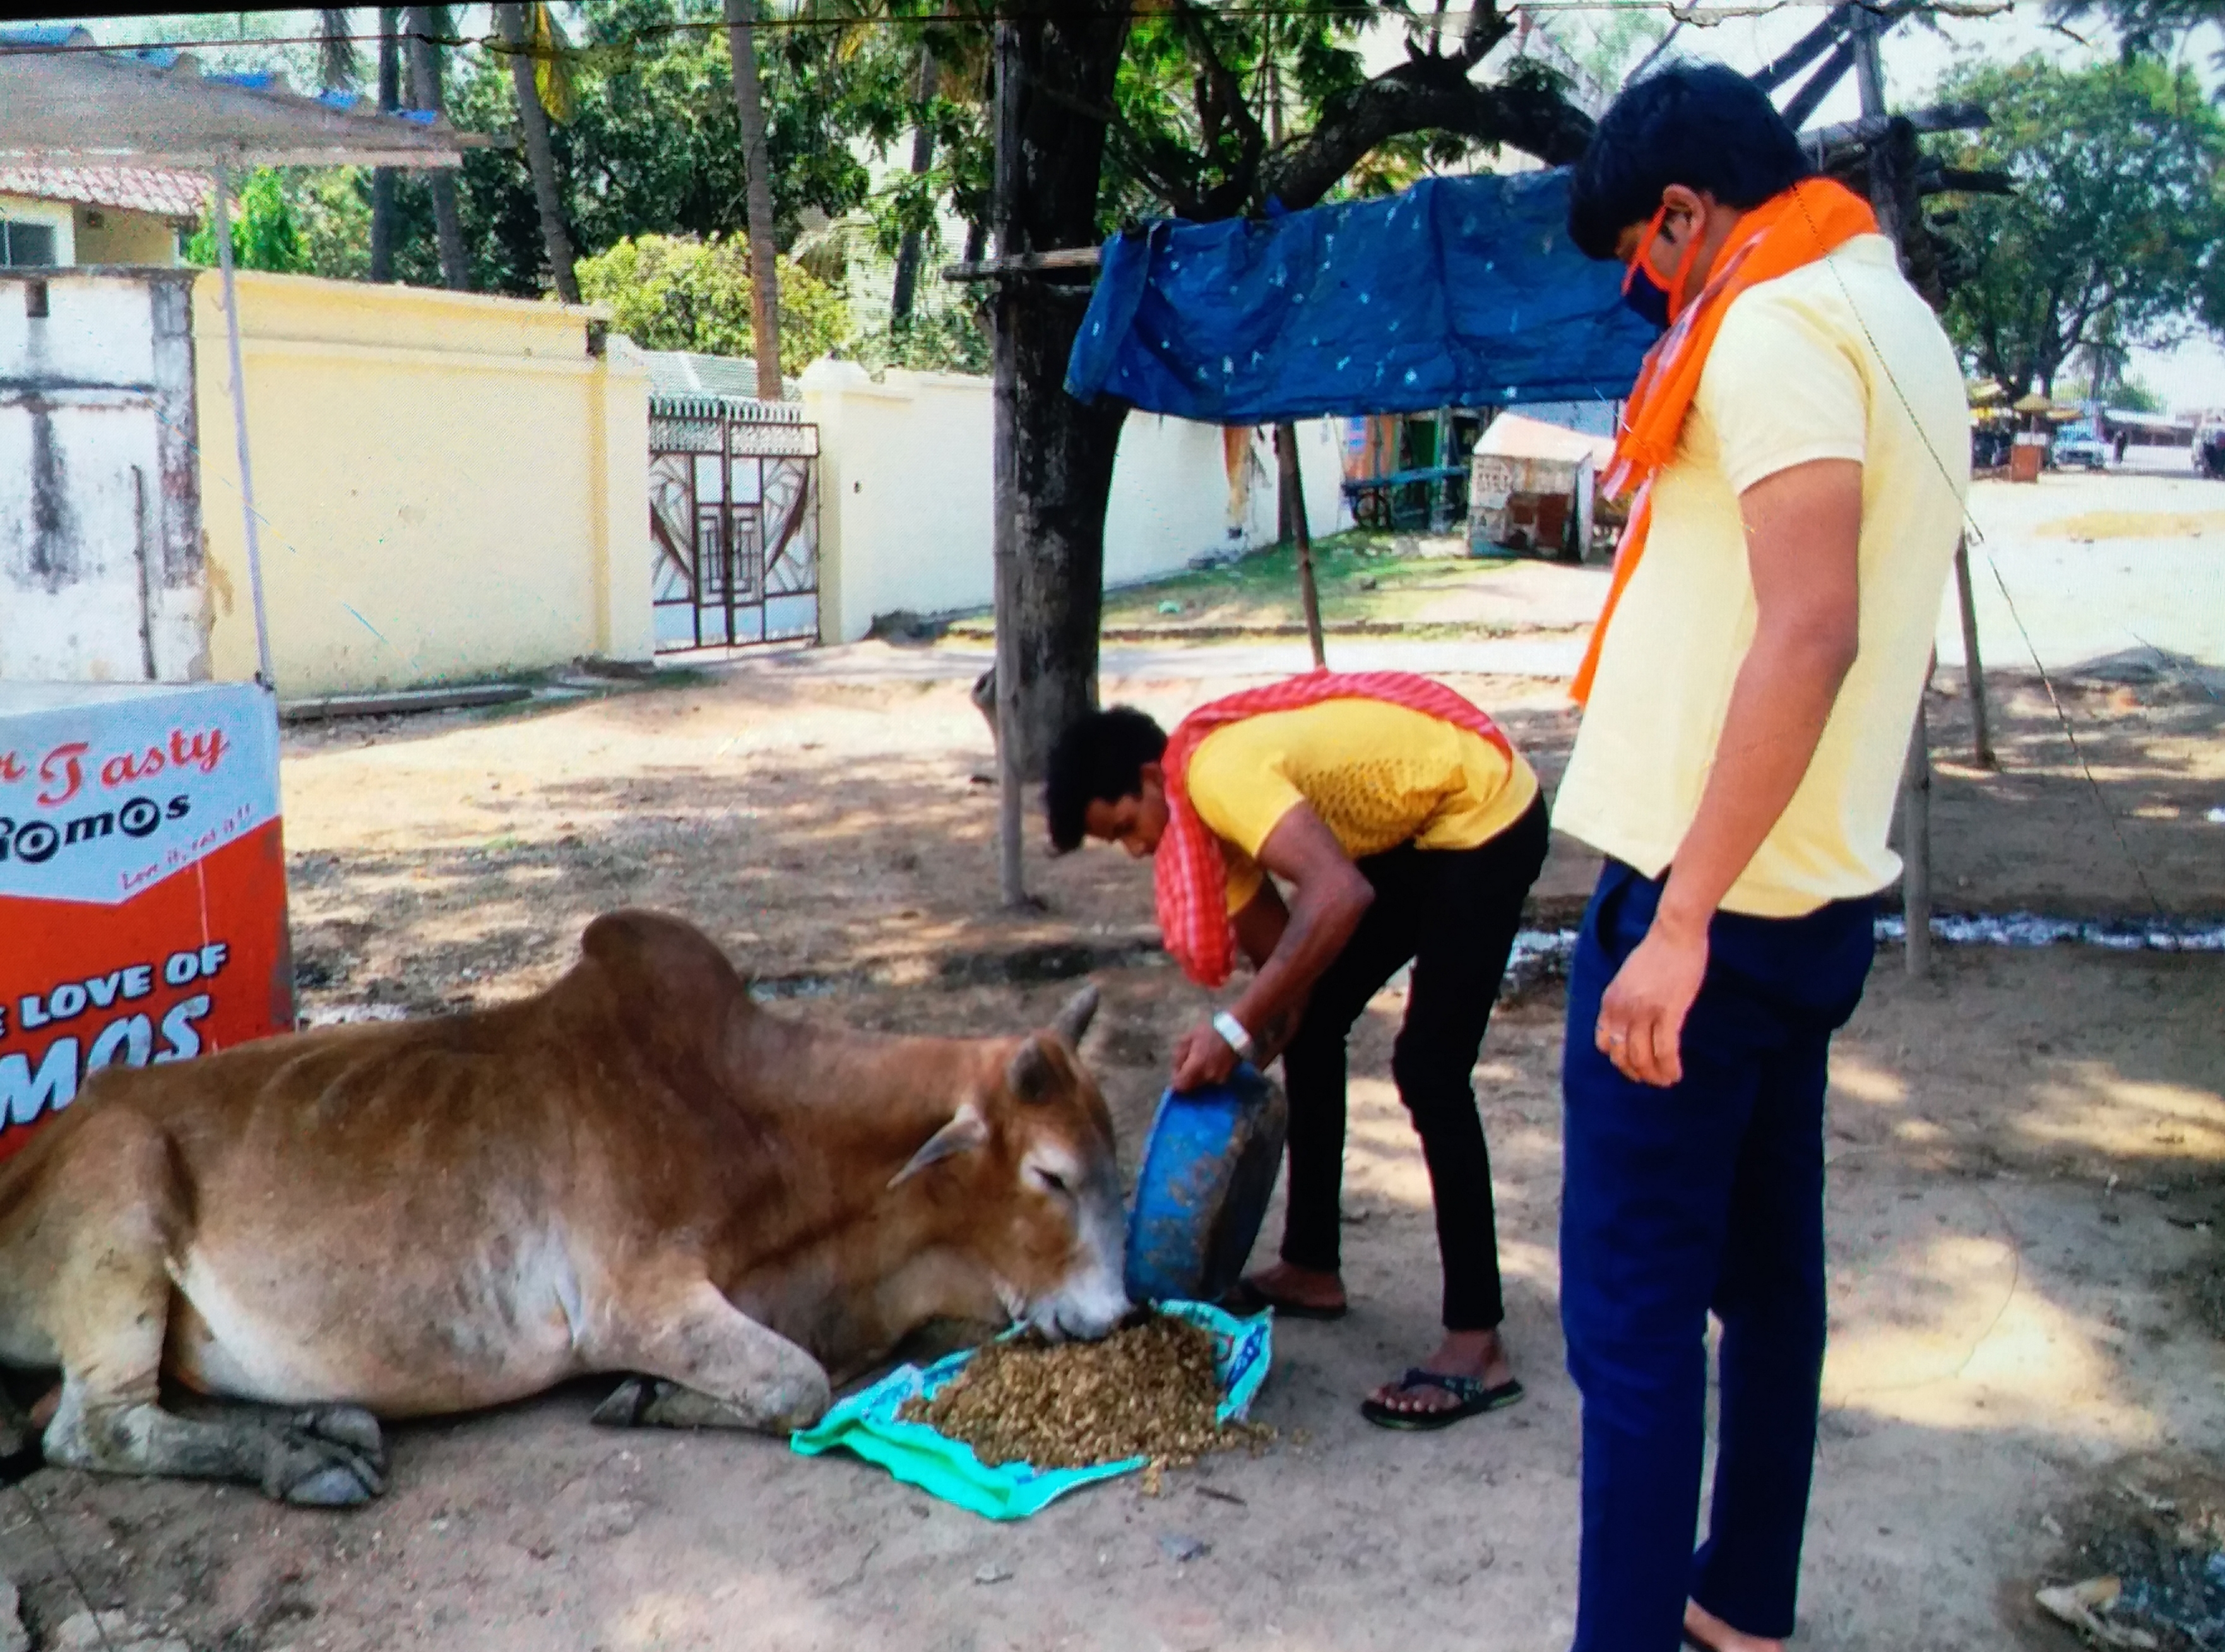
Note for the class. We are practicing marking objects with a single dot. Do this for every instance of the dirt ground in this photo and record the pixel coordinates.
(2026, 1208)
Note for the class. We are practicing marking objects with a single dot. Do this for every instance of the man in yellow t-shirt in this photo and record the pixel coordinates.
(1803, 442)
(1399, 836)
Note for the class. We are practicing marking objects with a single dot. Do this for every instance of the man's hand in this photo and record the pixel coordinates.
(1641, 1018)
(1202, 1058)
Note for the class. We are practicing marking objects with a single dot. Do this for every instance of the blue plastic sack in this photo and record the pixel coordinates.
(868, 1424)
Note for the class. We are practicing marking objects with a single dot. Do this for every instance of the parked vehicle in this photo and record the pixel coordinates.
(2077, 444)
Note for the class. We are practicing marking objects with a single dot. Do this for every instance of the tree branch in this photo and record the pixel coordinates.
(1486, 29)
(1171, 171)
(1424, 94)
(1220, 100)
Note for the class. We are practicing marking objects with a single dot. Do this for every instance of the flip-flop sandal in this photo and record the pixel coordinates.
(1245, 1297)
(1472, 1398)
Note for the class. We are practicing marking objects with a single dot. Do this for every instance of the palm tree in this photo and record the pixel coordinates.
(426, 92)
(384, 179)
(909, 252)
(336, 57)
(536, 76)
(757, 167)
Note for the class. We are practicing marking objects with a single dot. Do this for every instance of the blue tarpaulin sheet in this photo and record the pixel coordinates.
(1458, 292)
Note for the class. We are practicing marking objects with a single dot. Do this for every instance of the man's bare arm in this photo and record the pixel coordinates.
(1803, 532)
(1328, 898)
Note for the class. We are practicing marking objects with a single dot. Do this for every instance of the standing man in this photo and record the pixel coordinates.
(1404, 826)
(1800, 448)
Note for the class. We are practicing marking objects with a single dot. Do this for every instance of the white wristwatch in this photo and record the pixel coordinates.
(1233, 1035)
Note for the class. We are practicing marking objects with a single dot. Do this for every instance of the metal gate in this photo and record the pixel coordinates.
(733, 515)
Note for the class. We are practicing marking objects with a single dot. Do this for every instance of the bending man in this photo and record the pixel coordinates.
(1405, 827)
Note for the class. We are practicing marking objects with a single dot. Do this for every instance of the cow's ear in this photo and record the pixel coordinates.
(1032, 1075)
(966, 1130)
(1073, 1020)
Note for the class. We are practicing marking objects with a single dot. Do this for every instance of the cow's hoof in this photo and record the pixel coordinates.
(798, 1403)
(349, 1426)
(328, 1457)
(625, 1405)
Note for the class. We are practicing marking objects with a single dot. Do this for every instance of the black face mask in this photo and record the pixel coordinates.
(1648, 301)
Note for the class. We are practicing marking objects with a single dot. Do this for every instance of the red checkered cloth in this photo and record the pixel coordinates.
(1189, 871)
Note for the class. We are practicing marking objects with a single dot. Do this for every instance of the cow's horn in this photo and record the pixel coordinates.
(1073, 1020)
(966, 1130)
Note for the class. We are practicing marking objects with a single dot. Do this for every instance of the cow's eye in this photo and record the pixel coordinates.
(1052, 1182)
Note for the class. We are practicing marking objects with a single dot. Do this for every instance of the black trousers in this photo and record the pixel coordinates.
(1454, 912)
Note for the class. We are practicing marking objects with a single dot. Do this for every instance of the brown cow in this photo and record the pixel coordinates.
(636, 1170)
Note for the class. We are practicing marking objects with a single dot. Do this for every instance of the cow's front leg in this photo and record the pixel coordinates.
(705, 1364)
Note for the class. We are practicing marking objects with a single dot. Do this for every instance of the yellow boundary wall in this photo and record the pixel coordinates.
(451, 486)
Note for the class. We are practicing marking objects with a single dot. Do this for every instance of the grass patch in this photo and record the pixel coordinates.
(1363, 579)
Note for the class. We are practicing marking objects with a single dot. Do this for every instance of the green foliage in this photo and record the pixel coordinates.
(264, 235)
(1610, 42)
(954, 340)
(684, 293)
(2127, 395)
(652, 145)
(2147, 27)
(2112, 237)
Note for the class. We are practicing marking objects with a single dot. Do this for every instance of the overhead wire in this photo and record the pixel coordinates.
(1696, 16)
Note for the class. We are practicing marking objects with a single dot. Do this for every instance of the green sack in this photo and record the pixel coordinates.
(868, 1424)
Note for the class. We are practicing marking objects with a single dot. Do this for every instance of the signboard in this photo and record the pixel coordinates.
(143, 884)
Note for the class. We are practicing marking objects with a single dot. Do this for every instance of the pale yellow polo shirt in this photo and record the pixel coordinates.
(1839, 360)
(1377, 774)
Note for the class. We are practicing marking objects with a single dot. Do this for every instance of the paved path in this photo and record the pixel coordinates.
(2077, 600)
(2081, 570)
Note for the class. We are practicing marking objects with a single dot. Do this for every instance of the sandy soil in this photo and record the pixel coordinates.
(2025, 1207)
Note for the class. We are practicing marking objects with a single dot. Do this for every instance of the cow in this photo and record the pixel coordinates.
(637, 1171)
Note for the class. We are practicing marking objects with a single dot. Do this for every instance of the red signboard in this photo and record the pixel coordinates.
(143, 885)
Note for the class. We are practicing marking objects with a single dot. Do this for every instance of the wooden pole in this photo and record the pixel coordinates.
(263, 672)
(1915, 772)
(1291, 481)
(1915, 845)
(1005, 543)
(1973, 669)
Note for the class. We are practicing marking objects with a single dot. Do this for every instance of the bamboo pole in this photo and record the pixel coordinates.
(1973, 669)
(1006, 530)
(263, 673)
(1290, 478)
(1915, 772)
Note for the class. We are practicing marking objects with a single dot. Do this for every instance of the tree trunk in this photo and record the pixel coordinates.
(382, 178)
(540, 153)
(922, 158)
(425, 92)
(757, 165)
(977, 242)
(1063, 466)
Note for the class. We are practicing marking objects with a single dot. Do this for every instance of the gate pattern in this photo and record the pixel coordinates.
(733, 514)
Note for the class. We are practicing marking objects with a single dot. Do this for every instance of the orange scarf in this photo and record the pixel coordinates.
(1810, 220)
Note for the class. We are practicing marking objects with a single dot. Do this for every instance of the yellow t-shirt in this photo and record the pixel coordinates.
(1839, 360)
(1378, 775)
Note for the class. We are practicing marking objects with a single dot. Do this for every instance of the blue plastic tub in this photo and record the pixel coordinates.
(1208, 1171)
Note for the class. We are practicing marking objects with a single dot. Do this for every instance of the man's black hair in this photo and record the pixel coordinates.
(1700, 124)
(1099, 759)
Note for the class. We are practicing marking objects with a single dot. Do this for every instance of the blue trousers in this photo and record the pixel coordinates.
(1705, 1196)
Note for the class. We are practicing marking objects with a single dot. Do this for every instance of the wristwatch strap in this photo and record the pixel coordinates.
(1232, 1033)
